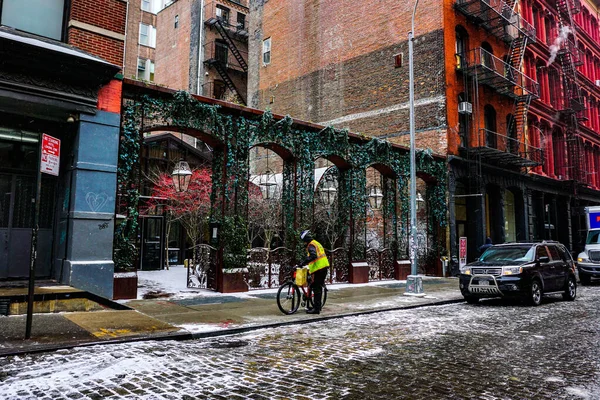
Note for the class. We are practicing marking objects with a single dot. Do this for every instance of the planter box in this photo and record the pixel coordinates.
(234, 281)
(125, 286)
(359, 272)
(401, 270)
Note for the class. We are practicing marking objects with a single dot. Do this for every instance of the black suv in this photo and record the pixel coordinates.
(524, 270)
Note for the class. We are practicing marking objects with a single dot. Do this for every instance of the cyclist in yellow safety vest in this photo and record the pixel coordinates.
(317, 266)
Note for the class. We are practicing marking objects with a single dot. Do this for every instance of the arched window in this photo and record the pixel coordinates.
(464, 121)
(486, 57)
(489, 114)
(511, 133)
(462, 46)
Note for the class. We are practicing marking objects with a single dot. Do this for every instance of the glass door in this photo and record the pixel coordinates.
(152, 243)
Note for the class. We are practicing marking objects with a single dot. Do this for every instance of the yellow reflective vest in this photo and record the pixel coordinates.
(321, 260)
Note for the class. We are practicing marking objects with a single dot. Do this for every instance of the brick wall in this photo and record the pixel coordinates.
(109, 96)
(109, 17)
(172, 62)
(109, 49)
(333, 63)
(133, 50)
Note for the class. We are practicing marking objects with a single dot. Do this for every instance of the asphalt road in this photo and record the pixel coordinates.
(493, 350)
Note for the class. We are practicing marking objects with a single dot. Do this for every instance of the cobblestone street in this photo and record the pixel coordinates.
(493, 350)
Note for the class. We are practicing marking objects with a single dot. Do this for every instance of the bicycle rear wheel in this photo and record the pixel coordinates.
(323, 298)
(288, 298)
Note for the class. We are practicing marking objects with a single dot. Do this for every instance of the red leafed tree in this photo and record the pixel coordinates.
(191, 208)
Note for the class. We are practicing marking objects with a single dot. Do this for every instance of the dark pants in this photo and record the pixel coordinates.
(316, 286)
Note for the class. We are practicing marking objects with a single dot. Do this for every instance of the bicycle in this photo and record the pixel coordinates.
(290, 296)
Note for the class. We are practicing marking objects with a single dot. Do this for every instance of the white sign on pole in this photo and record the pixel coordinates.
(50, 161)
(462, 252)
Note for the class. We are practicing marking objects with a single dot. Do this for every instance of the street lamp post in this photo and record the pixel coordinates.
(414, 287)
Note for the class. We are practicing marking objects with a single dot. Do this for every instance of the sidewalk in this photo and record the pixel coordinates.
(195, 313)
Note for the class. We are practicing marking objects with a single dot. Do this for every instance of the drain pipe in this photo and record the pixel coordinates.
(200, 48)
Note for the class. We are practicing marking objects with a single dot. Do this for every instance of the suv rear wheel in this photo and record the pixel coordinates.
(571, 290)
(535, 293)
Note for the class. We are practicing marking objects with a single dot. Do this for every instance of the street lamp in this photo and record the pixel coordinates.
(182, 174)
(413, 288)
(267, 183)
(375, 197)
(328, 187)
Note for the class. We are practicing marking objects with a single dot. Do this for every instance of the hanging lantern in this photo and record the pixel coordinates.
(375, 197)
(182, 174)
(268, 184)
(420, 201)
(328, 190)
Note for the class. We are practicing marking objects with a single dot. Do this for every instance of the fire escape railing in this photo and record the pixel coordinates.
(498, 17)
(504, 150)
(491, 71)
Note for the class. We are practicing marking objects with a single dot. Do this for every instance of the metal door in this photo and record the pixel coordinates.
(152, 243)
(16, 223)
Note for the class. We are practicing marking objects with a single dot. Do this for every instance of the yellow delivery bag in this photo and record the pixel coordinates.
(301, 274)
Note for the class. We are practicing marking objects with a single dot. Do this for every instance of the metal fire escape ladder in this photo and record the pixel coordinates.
(572, 91)
(522, 102)
(218, 23)
(222, 70)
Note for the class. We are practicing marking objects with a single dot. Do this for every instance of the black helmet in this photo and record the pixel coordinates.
(306, 236)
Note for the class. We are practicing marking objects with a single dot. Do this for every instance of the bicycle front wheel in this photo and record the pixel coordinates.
(288, 298)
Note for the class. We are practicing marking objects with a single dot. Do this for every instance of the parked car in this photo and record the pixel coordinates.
(520, 270)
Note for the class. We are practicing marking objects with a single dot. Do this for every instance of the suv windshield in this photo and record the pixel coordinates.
(511, 254)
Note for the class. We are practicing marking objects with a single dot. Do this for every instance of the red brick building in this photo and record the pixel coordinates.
(511, 102)
(202, 47)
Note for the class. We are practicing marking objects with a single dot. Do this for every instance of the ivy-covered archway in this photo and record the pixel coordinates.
(233, 131)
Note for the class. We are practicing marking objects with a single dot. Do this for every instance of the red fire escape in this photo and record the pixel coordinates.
(480, 67)
(571, 112)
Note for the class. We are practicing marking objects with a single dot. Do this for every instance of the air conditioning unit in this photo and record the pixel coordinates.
(464, 107)
(597, 82)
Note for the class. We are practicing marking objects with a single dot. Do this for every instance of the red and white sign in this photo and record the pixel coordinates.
(462, 252)
(50, 155)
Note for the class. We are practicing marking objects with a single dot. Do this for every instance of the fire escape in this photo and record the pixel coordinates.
(500, 18)
(571, 112)
(218, 57)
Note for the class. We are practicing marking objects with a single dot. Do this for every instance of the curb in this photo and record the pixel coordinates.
(181, 336)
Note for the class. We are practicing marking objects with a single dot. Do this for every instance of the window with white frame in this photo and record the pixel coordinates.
(145, 70)
(266, 51)
(147, 35)
(40, 17)
(154, 6)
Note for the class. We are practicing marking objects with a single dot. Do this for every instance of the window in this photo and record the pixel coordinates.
(463, 122)
(176, 23)
(153, 6)
(541, 252)
(141, 68)
(461, 46)
(554, 253)
(266, 51)
(223, 14)
(40, 17)
(147, 35)
(145, 70)
(489, 119)
(241, 21)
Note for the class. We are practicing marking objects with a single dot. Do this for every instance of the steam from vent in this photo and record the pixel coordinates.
(555, 47)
